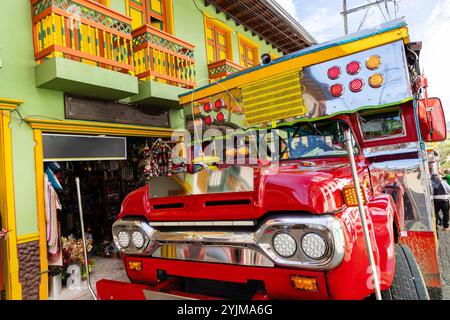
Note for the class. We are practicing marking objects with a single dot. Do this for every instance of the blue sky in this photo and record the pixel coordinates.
(428, 20)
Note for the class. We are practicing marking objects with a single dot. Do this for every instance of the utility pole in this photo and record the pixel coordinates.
(345, 12)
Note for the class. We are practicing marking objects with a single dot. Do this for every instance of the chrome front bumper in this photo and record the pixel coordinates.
(234, 246)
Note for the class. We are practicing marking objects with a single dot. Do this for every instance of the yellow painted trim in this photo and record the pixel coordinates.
(248, 40)
(39, 171)
(301, 62)
(251, 44)
(208, 19)
(9, 104)
(127, 8)
(27, 238)
(7, 207)
(169, 17)
(214, 20)
(83, 127)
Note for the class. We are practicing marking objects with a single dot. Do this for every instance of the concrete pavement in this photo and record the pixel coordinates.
(444, 261)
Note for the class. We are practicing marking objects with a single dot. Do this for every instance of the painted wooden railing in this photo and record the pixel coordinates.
(220, 69)
(161, 57)
(82, 30)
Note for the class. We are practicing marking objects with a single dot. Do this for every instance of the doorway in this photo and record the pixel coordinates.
(109, 168)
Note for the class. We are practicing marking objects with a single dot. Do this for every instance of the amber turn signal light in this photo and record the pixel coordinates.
(135, 265)
(304, 283)
(376, 80)
(350, 197)
(373, 62)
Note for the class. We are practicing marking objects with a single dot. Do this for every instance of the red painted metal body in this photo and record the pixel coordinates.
(303, 190)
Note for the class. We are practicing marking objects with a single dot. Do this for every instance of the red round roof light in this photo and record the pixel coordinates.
(219, 104)
(209, 120)
(207, 107)
(334, 72)
(353, 68)
(220, 117)
(356, 85)
(337, 90)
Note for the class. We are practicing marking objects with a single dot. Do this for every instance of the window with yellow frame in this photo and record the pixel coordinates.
(157, 13)
(103, 2)
(248, 53)
(218, 41)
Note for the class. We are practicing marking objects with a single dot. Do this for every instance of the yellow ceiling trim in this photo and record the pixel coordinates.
(84, 127)
(301, 62)
(9, 104)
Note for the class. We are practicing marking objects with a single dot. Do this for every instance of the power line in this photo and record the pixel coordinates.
(345, 12)
(440, 13)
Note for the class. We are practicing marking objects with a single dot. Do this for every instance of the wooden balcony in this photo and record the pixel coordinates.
(223, 68)
(161, 57)
(84, 31)
(84, 48)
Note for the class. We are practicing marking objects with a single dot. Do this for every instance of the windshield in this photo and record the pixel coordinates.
(308, 140)
(298, 141)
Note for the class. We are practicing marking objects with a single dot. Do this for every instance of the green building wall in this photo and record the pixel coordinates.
(17, 81)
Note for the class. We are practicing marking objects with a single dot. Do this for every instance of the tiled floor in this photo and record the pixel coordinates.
(105, 268)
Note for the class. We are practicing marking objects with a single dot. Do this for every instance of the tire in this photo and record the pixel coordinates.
(408, 283)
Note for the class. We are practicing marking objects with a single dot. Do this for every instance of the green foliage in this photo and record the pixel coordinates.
(444, 154)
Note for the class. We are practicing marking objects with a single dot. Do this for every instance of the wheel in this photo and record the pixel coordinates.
(408, 283)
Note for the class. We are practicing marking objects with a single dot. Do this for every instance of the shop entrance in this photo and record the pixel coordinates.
(109, 168)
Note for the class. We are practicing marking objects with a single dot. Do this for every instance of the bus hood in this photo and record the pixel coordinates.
(287, 187)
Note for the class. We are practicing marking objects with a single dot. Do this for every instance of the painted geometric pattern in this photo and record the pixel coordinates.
(77, 9)
(165, 43)
(221, 69)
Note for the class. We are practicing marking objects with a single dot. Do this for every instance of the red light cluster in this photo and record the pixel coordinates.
(219, 104)
(334, 72)
(337, 90)
(353, 68)
(209, 120)
(356, 85)
(207, 107)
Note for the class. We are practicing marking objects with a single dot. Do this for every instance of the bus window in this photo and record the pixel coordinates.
(376, 125)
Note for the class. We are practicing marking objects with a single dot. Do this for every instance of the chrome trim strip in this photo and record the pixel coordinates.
(399, 148)
(242, 247)
(205, 237)
(156, 295)
(200, 223)
(227, 254)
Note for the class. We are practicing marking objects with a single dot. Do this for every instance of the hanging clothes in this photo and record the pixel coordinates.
(52, 205)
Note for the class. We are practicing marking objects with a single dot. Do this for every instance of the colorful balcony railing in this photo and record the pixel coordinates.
(218, 70)
(84, 31)
(161, 57)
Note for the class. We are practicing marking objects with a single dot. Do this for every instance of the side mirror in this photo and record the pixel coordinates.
(433, 127)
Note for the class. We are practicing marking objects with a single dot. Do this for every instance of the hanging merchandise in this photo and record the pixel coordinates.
(53, 178)
(52, 205)
(158, 160)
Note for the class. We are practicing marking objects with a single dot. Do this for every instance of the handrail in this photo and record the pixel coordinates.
(161, 57)
(84, 31)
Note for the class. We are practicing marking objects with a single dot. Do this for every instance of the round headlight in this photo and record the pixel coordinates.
(123, 238)
(138, 239)
(314, 246)
(284, 245)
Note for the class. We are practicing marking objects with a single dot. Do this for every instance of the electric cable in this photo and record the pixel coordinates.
(363, 19)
